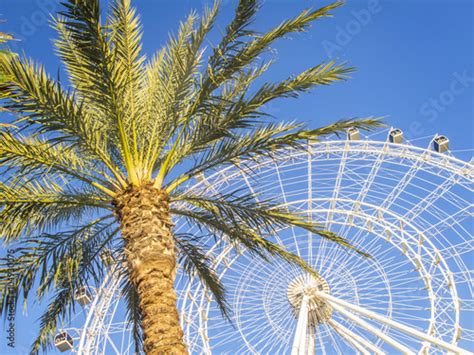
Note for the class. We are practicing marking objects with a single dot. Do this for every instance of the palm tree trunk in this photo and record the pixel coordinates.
(149, 245)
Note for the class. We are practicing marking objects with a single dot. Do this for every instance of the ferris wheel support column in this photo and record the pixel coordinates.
(340, 305)
(300, 340)
(311, 344)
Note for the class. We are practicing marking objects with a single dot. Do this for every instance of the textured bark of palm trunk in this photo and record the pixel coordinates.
(146, 228)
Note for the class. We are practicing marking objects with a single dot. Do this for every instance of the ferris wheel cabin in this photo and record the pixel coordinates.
(83, 296)
(441, 144)
(395, 136)
(353, 134)
(63, 341)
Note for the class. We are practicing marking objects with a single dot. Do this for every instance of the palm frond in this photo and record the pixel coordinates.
(259, 215)
(83, 47)
(4, 37)
(322, 74)
(246, 111)
(60, 306)
(268, 141)
(239, 234)
(31, 207)
(341, 126)
(246, 54)
(64, 262)
(125, 38)
(30, 156)
(134, 313)
(173, 82)
(230, 44)
(105, 90)
(46, 107)
(195, 261)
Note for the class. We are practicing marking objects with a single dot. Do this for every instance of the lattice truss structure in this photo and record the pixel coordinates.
(410, 208)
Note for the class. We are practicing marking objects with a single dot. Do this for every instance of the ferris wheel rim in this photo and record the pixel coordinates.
(463, 163)
(455, 164)
(461, 168)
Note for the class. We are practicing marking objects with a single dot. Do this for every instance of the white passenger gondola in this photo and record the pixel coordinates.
(353, 134)
(441, 144)
(63, 341)
(83, 296)
(396, 136)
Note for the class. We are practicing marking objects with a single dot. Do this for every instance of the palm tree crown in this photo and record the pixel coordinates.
(126, 133)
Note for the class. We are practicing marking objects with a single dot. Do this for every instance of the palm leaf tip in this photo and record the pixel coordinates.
(340, 127)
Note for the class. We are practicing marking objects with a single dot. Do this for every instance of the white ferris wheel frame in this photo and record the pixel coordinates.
(398, 230)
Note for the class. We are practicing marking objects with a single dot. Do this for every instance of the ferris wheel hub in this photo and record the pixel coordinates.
(309, 286)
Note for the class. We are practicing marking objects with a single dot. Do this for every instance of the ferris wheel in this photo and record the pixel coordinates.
(410, 208)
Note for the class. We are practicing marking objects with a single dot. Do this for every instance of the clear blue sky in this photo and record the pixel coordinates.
(414, 63)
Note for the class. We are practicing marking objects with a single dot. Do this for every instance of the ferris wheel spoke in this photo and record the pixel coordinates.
(111, 343)
(320, 341)
(335, 255)
(309, 173)
(255, 196)
(335, 339)
(285, 201)
(377, 332)
(354, 339)
(260, 332)
(335, 192)
(341, 305)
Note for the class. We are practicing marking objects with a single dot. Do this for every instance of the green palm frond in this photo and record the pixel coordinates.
(195, 261)
(106, 89)
(228, 149)
(62, 300)
(240, 235)
(224, 118)
(323, 74)
(244, 55)
(268, 141)
(171, 78)
(175, 78)
(83, 47)
(234, 36)
(126, 40)
(261, 216)
(47, 108)
(134, 314)
(30, 156)
(5, 37)
(339, 127)
(62, 262)
(29, 207)
(54, 256)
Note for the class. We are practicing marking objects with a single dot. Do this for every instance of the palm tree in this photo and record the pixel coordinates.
(99, 163)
